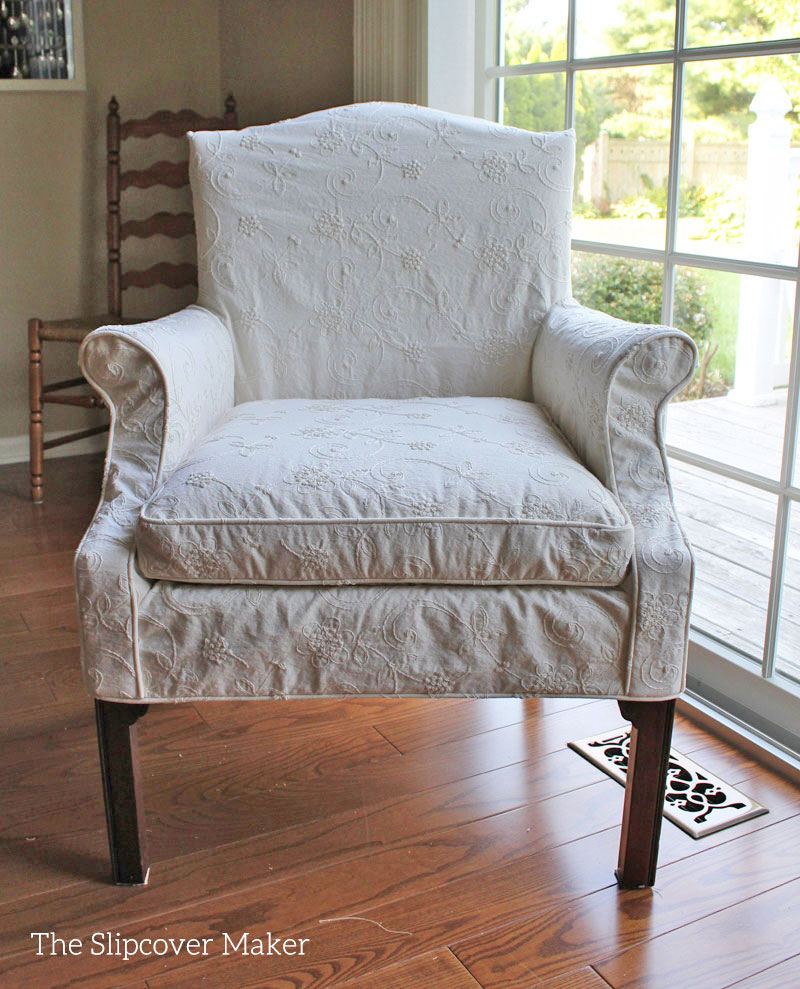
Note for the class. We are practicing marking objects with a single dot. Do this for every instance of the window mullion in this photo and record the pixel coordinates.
(791, 427)
(569, 98)
(784, 502)
(501, 58)
(776, 586)
(673, 187)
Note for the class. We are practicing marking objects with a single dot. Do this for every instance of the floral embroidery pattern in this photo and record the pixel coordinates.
(656, 614)
(493, 255)
(216, 651)
(326, 643)
(412, 259)
(633, 418)
(330, 317)
(329, 224)
(413, 350)
(494, 167)
(330, 140)
(249, 226)
(250, 317)
(437, 683)
(251, 142)
(495, 347)
(311, 476)
(200, 479)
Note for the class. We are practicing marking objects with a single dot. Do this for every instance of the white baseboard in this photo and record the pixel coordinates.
(15, 449)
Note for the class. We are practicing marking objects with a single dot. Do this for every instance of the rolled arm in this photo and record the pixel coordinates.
(166, 383)
(607, 383)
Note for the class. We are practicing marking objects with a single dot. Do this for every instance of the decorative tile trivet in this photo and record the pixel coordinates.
(697, 801)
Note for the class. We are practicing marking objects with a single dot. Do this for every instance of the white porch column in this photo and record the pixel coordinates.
(768, 236)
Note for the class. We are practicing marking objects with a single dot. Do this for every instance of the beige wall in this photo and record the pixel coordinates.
(280, 57)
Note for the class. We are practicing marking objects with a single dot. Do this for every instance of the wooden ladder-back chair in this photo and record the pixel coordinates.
(171, 174)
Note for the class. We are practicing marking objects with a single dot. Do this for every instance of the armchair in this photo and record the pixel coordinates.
(386, 453)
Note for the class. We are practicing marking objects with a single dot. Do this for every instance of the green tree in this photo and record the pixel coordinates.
(634, 103)
(717, 93)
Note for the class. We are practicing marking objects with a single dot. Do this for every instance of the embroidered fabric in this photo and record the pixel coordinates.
(170, 383)
(382, 251)
(455, 491)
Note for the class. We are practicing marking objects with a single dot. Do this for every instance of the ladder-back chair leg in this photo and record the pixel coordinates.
(119, 765)
(36, 427)
(645, 787)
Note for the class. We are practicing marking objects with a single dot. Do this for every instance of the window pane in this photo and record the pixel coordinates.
(619, 27)
(535, 102)
(734, 410)
(731, 22)
(731, 528)
(621, 287)
(787, 658)
(622, 118)
(534, 31)
(739, 159)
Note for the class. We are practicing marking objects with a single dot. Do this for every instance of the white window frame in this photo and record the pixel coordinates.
(763, 698)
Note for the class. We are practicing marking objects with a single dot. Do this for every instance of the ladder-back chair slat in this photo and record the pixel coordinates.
(163, 273)
(174, 174)
(166, 224)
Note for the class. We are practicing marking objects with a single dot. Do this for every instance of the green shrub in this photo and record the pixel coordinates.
(724, 212)
(652, 204)
(636, 208)
(632, 290)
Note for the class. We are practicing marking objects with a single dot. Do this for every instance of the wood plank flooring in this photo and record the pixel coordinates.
(437, 844)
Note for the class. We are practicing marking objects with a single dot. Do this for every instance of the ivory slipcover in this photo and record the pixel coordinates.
(383, 296)
(453, 491)
(382, 251)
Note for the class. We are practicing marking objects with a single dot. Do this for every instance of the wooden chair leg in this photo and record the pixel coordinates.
(644, 790)
(36, 427)
(116, 736)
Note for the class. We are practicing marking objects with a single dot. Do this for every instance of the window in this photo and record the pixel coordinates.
(39, 44)
(686, 211)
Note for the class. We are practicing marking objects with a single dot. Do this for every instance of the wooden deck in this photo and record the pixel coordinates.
(415, 843)
(732, 526)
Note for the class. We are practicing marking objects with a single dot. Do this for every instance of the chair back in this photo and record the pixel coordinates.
(171, 174)
(382, 250)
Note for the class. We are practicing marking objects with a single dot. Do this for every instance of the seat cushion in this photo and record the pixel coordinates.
(455, 491)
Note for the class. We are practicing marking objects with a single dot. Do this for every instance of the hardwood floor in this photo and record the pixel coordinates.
(430, 843)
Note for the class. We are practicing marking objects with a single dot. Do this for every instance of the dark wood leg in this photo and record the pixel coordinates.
(36, 428)
(116, 736)
(644, 790)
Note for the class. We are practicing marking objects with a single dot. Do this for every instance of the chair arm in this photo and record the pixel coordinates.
(602, 378)
(607, 383)
(166, 383)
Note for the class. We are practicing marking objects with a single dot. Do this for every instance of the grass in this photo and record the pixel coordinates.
(724, 289)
